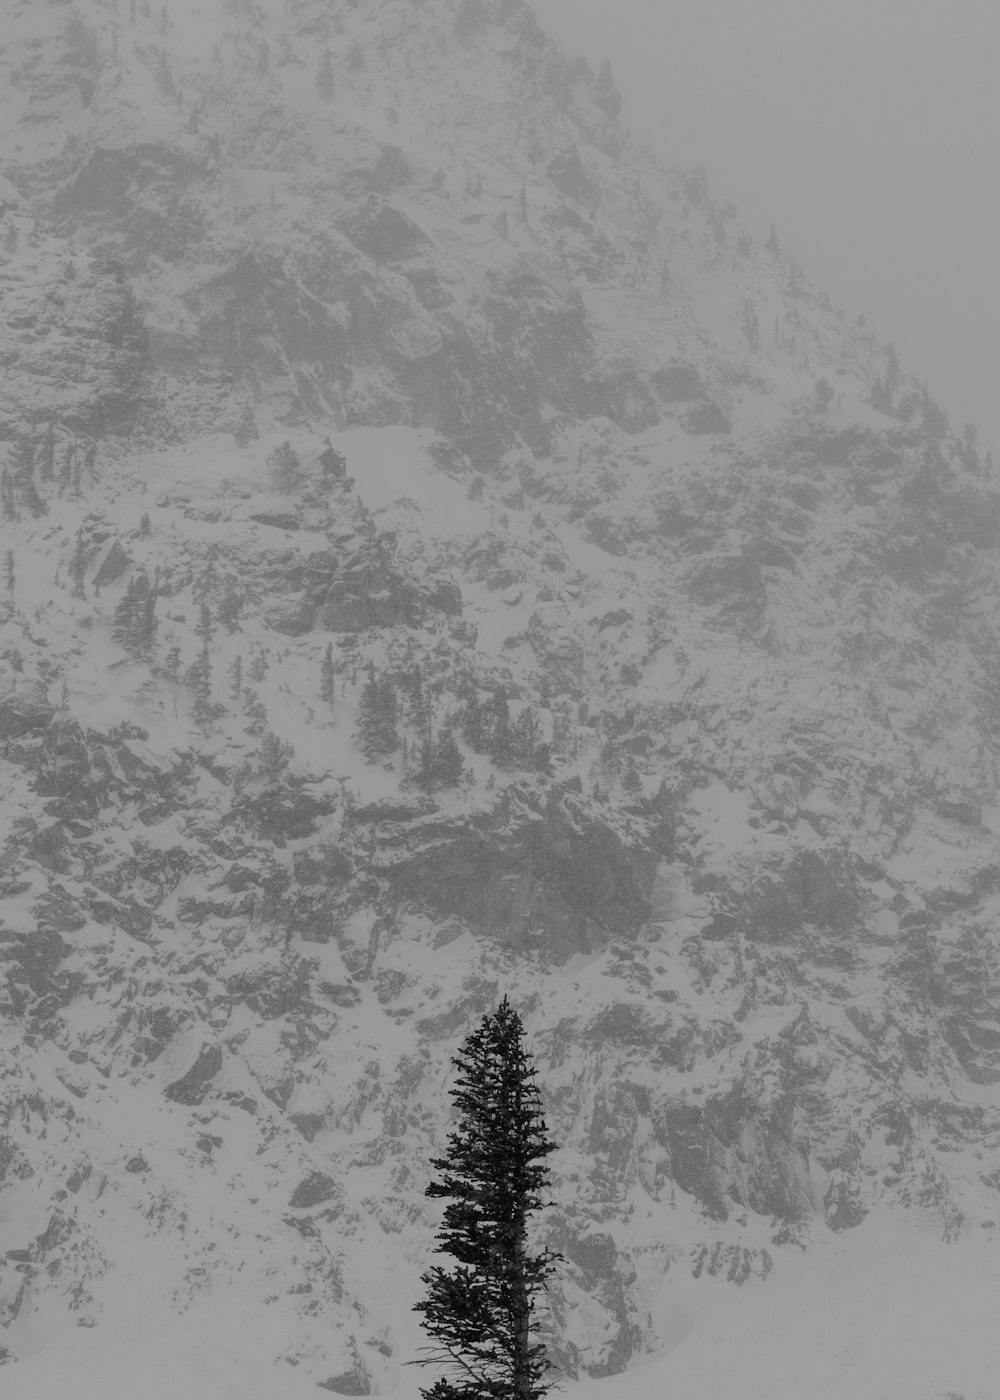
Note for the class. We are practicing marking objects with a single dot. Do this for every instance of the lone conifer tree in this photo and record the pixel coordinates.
(479, 1314)
(377, 710)
(135, 622)
(285, 466)
(501, 744)
(328, 676)
(200, 673)
(325, 82)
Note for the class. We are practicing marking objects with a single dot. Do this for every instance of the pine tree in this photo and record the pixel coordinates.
(78, 566)
(751, 325)
(146, 625)
(631, 781)
(47, 459)
(479, 1314)
(967, 449)
(333, 463)
(448, 762)
(257, 669)
(236, 676)
(21, 461)
(387, 710)
(172, 663)
(135, 622)
(525, 736)
(473, 723)
(285, 466)
(378, 711)
(22, 475)
(253, 708)
(200, 674)
(824, 394)
(31, 497)
(891, 370)
(325, 83)
(327, 676)
(164, 77)
(273, 757)
(423, 710)
(500, 743)
(229, 609)
(424, 771)
(66, 468)
(935, 418)
(543, 759)
(245, 431)
(367, 735)
(8, 500)
(606, 95)
(419, 710)
(879, 397)
(203, 627)
(199, 678)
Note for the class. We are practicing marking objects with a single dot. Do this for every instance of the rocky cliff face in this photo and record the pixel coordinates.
(562, 429)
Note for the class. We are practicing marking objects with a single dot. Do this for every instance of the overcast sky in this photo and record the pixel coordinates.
(867, 130)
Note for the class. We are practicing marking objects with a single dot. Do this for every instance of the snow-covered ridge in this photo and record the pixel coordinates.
(561, 431)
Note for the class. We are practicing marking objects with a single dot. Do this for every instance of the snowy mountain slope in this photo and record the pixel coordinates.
(867, 1316)
(561, 429)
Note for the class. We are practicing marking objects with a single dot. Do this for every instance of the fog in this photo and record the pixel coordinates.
(866, 130)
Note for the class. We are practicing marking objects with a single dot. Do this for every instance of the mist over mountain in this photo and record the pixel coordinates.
(445, 556)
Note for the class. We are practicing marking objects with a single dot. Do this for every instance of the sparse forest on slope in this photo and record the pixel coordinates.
(444, 556)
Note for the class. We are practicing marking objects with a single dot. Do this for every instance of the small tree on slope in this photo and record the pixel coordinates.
(478, 1315)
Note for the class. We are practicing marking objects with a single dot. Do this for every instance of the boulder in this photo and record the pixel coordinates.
(112, 563)
(313, 1190)
(23, 712)
(193, 1087)
(568, 175)
(384, 232)
(679, 383)
(733, 581)
(706, 418)
(277, 519)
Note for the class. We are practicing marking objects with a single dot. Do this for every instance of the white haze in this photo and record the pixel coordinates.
(865, 129)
